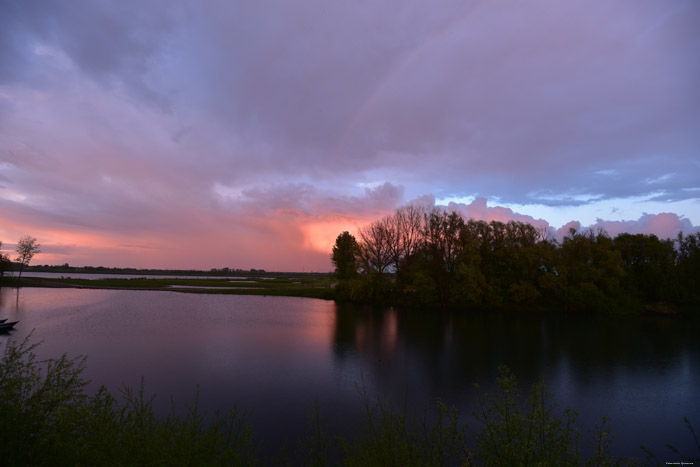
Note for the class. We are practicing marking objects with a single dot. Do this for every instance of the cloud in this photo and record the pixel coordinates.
(478, 210)
(200, 128)
(114, 44)
(663, 225)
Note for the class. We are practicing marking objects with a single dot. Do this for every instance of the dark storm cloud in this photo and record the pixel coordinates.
(114, 43)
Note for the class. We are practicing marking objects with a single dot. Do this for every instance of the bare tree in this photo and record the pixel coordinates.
(375, 253)
(401, 233)
(27, 247)
(410, 224)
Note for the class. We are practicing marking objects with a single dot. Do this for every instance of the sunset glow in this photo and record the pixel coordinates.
(177, 134)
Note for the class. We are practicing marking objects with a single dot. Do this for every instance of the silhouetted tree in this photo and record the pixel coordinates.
(5, 263)
(406, 234)
(440, 258)
(443, 248)
(593, 270)
(345, 253)
(649, 264)
(27, 247)
(688, 267)
(375, 250)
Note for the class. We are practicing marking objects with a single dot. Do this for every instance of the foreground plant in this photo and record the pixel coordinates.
(46, 418)
(391, 437)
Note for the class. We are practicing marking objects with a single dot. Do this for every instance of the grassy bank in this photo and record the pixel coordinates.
(310, 286)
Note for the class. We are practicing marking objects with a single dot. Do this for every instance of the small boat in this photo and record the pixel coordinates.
(3, 320)
(6, 326)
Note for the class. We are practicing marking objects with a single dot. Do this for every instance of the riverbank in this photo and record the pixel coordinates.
(316, 286)
(320, 286)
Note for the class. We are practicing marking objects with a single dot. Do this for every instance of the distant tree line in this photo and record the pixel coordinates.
(66, 268)
(439, 258)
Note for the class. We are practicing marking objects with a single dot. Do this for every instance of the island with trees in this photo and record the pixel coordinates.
(440, 259)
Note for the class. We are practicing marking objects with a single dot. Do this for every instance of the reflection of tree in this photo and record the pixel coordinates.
(6, 299)
(366, 330)
(449, 352)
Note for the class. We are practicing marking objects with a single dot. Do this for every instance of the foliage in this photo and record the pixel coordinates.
(311, 286)
(506, 434)
(535, 437)
(345, 254)
(415, 257)
(48, 419)
(5, 263)
(392, 437)
(27, 247)
(688, 266)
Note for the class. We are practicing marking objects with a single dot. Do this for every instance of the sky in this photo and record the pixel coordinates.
(249, 134)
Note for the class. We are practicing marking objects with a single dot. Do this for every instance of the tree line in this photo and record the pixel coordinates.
(439, 258)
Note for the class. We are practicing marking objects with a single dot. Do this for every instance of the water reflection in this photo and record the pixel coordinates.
(640, 372)
(275, 355)
(474, 344)
(9, 298)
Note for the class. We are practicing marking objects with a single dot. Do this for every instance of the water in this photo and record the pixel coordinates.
(91, 276)
(277, 355)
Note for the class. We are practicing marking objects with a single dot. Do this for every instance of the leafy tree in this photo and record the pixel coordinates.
(439, 257)
(27, 247)
(688, 267)
(443, 249)
(593, 270)
(345, 253)
(649, 264)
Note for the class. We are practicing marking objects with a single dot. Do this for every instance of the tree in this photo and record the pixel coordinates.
(5, 263)
(375, 250)
(443, 249)
(27, 247)
(688, 267)
(345, 252)
(649, 266)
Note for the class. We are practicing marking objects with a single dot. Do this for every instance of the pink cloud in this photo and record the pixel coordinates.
(478, 210)
(211, 136)
(663, 225)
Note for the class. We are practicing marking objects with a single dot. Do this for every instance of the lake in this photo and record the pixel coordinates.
(277, 355)
(87, 275)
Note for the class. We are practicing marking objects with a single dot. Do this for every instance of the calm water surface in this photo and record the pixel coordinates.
(81, 275)
(277, 355)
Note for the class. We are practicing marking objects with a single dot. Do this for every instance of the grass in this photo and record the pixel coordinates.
(316, 286)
